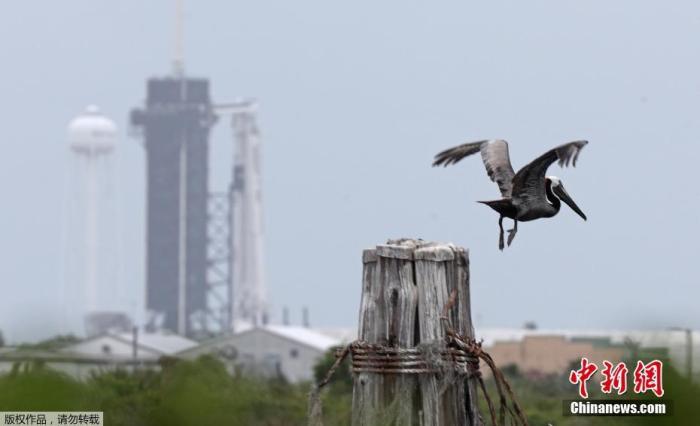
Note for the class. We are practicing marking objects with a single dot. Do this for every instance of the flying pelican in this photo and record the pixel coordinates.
(528, 194)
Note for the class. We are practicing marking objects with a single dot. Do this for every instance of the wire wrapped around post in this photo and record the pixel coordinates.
(462, 356)
(372, 358)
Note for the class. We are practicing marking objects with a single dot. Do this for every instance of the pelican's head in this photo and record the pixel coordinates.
(558, 190)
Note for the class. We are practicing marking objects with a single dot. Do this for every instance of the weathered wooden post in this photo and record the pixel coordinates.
(406, 287)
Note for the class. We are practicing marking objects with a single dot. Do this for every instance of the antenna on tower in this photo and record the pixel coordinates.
(179, 60)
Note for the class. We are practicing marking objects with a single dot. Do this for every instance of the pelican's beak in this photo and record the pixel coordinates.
(560, 192)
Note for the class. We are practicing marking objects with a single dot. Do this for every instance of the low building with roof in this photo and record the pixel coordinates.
(271, 351)
(551, 350)
(98, 354)
(147, 346)
(542, 354)
(77, 366)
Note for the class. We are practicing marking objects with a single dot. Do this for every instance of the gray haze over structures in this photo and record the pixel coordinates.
(356, 98)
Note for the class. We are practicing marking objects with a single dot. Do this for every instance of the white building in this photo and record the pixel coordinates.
(78, 366)
(99, 354)
(288, 351)
(149, 346)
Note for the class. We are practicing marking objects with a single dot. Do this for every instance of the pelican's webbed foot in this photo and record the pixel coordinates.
(500, 235)
(512, 232)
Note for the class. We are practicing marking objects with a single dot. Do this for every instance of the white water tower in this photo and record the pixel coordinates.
(92, 294)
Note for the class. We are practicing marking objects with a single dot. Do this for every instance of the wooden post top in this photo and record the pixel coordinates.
(414, 249)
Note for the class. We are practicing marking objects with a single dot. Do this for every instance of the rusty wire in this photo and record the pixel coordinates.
(461, 353)
(373, 358)
(471, 346)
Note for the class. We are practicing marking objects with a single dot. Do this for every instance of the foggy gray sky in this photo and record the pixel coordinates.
(355, 99)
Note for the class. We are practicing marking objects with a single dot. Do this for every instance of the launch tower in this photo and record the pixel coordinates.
(175, 126)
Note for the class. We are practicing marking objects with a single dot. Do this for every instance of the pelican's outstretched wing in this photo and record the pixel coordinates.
(528, 183)
(496, 159)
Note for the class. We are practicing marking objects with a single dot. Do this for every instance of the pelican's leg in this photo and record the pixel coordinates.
(512, 232)
(500, 236)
